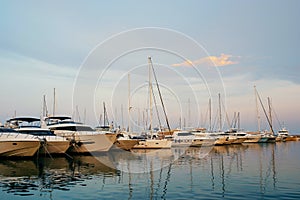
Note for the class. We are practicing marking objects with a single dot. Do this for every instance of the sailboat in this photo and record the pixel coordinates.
(266, 136)
(153, 141)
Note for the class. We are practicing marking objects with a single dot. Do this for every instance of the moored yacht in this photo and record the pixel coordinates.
(252, 137)
(152, 141)
(14, 144)
(50, 143)
(282, 134)
(240, 136)
(84, 138)
(182, 138)
(203, 138)
(125, 141)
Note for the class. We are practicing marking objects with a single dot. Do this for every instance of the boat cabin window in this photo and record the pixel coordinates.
(7, 130)
(73, 128)
(37, 132)
(184, 134)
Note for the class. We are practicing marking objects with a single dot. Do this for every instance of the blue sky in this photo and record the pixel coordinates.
(43, 45)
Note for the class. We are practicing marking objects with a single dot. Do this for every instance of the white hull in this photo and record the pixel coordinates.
(54, 147)
(154, 144)
(88, 142)
(252, 139)
(199, 142)
(18, 145)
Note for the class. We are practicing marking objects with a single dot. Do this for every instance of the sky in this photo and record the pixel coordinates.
(86, 49)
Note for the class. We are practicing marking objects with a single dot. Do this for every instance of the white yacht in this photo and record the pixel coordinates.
(13, 144)
(152, 141)
(84, 138)
(50, 143)
(282, 134)
(182, 138)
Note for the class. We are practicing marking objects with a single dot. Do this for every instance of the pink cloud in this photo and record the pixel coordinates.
(222, 60)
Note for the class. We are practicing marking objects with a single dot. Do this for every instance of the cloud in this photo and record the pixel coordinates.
(222, 60)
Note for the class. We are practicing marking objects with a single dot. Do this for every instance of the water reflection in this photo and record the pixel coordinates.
(45, 174)
(235, 171)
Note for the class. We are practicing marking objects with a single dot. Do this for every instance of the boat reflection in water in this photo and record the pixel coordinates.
(245, 171)
(27, 177)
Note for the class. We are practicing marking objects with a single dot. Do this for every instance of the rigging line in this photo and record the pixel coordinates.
(265, 112)
(160, 96)
(226, 115)
(205, 118)
(276, 116)
(156, 109)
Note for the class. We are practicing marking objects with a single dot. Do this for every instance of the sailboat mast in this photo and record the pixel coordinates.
(150, 93)
(45, 110)
(257, 112)
(239, 121)
(104, 117)
(54, 99)
(160, 96)
(265, 112)
(189, 113)
(122, 117)
(220, 116)
(129, 106)
(270, 116)
(210, 117)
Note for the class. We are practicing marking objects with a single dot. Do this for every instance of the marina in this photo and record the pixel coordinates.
(260, 171)
(137, 100)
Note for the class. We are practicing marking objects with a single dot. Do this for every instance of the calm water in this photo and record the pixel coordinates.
(254, 171)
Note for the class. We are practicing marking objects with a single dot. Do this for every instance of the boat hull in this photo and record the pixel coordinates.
(54, 147)
(154, 144)
(126, 144)
(203, 142)
(19, 148)
(91, 143)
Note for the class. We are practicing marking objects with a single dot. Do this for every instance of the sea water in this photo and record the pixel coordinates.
(252, 171)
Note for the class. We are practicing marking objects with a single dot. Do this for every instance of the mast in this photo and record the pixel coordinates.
(150, 94)
(54, 99)
(210, 118)
(239, 121)
(270, 116)
(265, 112)
(129, 106)
(189, 113)
(45, 110)
(160, 96)
(122, 116)
(220, 110)
(257, 112)
(104, 116)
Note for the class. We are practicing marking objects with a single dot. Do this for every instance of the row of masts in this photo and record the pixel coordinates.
(151, 74)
